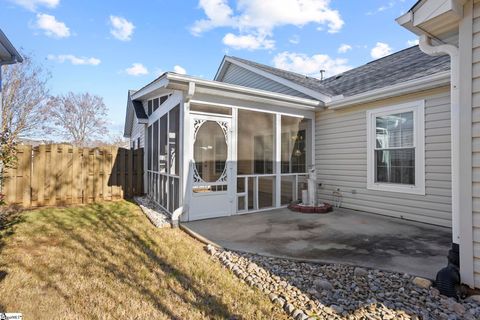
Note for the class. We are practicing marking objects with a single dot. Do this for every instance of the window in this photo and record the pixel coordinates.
(396, 148)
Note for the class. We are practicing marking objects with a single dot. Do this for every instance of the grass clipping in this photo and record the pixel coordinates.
(107, 261)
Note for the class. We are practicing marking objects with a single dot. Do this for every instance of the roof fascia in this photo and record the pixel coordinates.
(221, 70)
(159, 83)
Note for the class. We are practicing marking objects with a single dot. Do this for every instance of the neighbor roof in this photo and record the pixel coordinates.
(405, 65)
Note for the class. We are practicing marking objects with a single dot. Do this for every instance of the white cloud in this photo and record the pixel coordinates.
(310, 65)
(258, 18)
(380, 50)
(51, 26)
(295, 39)
(180, 70)
(122, 29)
(137, 69)
(74, 59)
(344, 48)
(249, 42)
(389, 5)
(33, 4)
(412, 43)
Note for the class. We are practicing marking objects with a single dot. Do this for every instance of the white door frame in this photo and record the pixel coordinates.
(215, 203)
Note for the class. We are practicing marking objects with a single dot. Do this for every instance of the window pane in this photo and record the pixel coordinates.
(293, 145)
(155, 104)
(395, 166)
(256, 141)
(394, 131)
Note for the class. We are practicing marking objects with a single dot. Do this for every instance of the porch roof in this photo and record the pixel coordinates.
(174, 81)
(8, 53)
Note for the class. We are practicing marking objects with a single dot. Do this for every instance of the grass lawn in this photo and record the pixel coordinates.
(107, 261)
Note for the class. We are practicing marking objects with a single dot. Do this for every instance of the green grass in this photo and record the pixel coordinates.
(107, 261)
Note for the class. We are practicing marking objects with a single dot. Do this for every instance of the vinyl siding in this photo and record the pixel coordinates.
(242, 77)
(341, 161)
(476, 142)
(138, 131)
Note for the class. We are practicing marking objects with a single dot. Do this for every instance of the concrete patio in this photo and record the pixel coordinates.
(343, 236)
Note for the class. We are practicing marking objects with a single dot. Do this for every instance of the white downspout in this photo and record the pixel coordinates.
(187, 187)
(454, 53)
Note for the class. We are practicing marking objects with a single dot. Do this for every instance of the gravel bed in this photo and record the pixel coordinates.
(315, 291)
(157, 216)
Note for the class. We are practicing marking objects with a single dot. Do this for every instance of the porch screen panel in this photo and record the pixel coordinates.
(174, 123)
(266, 192)
(155, 147)
(294, 145)
(163, 143)
(256, 142)
(149, 148)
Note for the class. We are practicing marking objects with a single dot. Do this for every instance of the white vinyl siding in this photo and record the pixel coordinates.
(341, 162)
(242, 77)
(476, 142)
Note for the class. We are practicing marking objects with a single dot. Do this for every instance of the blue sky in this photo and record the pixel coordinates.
(107, 47)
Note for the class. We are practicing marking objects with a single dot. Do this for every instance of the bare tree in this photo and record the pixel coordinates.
(25, 96)
(78, 118)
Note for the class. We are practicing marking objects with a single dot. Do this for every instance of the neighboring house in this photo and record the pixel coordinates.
(453, 27)
(381, 136)
(8, 55)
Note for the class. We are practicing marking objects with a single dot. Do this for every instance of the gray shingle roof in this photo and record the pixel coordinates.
(408, 64)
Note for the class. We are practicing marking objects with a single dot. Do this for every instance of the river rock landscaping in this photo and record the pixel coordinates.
(157, 216)
(315, 291)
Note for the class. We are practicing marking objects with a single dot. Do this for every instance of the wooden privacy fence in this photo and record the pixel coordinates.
(52, 175)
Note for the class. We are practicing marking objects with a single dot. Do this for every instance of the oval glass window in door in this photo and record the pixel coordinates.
(210, 152)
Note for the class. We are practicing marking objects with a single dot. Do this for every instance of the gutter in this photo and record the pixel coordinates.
(416, 85)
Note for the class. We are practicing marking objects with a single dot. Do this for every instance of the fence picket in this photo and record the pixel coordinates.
(51, 175)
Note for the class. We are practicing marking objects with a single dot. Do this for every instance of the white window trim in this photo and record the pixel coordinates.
(418, 108)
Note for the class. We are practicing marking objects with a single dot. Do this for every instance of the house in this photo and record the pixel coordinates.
(385, 137)
(8, 55)
(453, 27)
